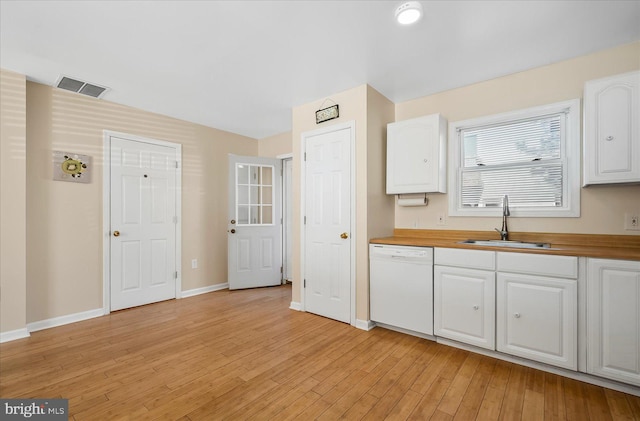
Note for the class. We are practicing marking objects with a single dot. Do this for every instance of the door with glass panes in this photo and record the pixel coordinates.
(254, 225)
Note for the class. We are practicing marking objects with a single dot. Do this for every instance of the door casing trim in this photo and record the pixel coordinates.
(351, 125)
(106, 210)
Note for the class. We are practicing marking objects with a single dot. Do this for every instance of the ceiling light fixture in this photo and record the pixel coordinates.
(408, 13)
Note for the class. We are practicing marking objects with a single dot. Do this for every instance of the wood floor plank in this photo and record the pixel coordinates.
(597, 403)
(634, 404)
(294, 410)
(245, 355)
(437, 364)
(440, 416)
(619, 406)
(405, 406)
(532, 406)
(554, 404)
(346, 401)
(452, 398)
(575, 400)
(514, 396)
(427, 406)
(360, 408)
(472, 399)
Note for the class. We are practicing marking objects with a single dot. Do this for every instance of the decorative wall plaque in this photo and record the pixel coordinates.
(71, 167)
(327, 114)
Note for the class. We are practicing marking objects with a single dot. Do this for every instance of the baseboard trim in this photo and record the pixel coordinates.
(406, 331)
(365, 324)
(204, 290)
(295, 306)
(13, 335)
(65, 320)
(575, 375)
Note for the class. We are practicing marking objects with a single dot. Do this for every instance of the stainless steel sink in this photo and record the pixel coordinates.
(507, 243)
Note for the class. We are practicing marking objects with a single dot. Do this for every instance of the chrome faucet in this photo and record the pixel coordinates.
(504, 232)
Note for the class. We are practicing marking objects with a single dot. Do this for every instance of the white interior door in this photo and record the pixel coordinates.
(287, 218)
(255, 224)
(143, 223)
(327, 229)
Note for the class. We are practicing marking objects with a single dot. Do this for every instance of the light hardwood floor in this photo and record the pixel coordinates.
(244, 355)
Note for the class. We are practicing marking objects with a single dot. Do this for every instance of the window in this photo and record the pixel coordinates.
(254, 194)
(532, 155)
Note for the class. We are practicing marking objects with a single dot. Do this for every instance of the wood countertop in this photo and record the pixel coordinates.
(588, 245)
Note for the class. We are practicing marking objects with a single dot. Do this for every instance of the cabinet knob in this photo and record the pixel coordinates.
(608, 138)
(475, 307)
(516, 315)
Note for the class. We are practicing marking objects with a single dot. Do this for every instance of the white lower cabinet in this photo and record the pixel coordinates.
(464, 303)
(537, 318)
(613, 319)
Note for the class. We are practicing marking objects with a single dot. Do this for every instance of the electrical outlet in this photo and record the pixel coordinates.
(194, 263)
(442, 219)
(632, 221)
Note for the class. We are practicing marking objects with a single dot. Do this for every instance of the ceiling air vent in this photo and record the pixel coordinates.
(80, 87)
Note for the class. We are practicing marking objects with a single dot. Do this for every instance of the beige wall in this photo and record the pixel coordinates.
(274, 146)
(354, 105)
(13, 276)
(602, 207)
(64, 220)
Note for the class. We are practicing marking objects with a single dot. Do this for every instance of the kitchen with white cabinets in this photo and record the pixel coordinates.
(560, 302)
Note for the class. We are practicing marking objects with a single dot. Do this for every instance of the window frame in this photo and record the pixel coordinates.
(260, 187)
(569, 155)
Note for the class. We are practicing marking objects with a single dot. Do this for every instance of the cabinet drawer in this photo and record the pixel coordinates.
(538, 264)
(475, 259)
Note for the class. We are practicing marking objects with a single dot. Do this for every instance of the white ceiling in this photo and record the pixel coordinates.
(241, 66)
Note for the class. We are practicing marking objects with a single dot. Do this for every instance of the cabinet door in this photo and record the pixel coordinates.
(613, 319)
(464, 305)
(612, 130)
(537, 318)
(416, 155)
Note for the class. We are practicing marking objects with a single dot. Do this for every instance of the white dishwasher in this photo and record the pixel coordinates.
(401, 287)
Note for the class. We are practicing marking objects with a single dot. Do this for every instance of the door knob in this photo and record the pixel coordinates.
(344, 235)
(233, 221)
(116, 233)
(233, 231)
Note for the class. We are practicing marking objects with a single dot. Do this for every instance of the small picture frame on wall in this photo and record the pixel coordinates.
(327, 114)
(71, 167)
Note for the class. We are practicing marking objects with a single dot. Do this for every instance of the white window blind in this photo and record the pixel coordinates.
(521, 159)
(531, 155)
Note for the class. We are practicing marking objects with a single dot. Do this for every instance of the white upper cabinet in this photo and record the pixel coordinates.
(416, 155)
(612, 130)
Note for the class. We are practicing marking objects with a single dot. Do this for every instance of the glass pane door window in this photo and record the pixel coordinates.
(254, 194)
